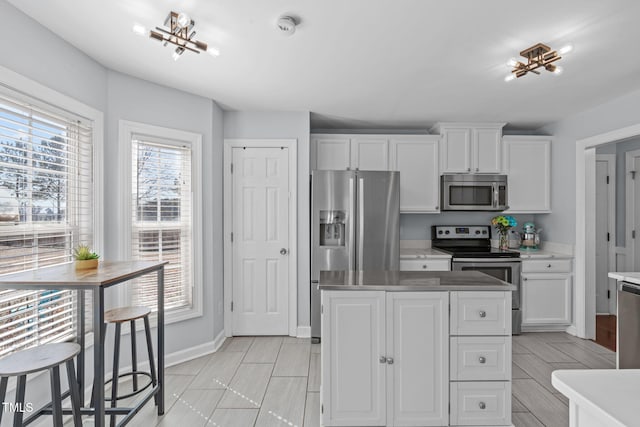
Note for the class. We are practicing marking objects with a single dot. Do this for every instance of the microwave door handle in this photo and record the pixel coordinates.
(494, 186)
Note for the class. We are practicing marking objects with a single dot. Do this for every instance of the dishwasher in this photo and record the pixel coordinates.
(628, 326)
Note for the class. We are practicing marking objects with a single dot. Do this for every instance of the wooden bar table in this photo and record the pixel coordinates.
(108, 273)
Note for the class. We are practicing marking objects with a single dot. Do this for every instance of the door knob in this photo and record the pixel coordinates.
(283, 251)
(382, 359)
(482, 359)
(390, 360)
(482, 405)
(482, 313)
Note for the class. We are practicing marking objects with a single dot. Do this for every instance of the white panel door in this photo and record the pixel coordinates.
(487, 151)
(260, 233)
(546, 299)
(527, 163)
(418, 344)
(370, 153)
(417, 161)
(603, 293)
(353, 358)
(332, 152)
(456, 150)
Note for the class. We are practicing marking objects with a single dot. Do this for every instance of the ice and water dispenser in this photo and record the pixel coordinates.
(332, 228)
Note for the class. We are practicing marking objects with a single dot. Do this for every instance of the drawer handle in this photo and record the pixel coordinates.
(482, 405)
(549, 266)
(482, 359)
(390, 360)
(382, 359)
(424, 266)
(482, 313)
(524, 278)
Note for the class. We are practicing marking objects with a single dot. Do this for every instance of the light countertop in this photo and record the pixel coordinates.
(541, 254)
(610, 394)
(411, 253)
(631, 277)
(411, 281)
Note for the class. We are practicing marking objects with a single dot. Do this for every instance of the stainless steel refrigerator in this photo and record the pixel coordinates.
(355, 225)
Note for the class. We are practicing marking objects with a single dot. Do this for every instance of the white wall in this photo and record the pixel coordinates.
(284, 125)
(620, 112)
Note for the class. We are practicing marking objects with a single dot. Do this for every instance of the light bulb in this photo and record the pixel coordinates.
(139, 30)
(213, 51)
(558, 70)
(176, 53)
(509, 77)
(565, 49)
(512, 62)
(183, 20)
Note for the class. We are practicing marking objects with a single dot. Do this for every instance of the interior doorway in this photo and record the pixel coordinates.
(605, 233)
(632, 161)
(260, 226)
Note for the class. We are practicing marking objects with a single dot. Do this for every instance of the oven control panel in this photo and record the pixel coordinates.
(461, 232)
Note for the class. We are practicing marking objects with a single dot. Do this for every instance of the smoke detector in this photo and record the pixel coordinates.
(287, 25)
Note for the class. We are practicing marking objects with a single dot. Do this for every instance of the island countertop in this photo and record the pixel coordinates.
(411, 281)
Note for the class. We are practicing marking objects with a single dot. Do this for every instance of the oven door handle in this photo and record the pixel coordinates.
(495, 261)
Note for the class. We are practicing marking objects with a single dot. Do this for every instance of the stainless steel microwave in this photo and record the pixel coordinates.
(473, 192)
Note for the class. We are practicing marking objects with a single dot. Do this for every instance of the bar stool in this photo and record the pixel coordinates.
(50, 357)
(118, 316)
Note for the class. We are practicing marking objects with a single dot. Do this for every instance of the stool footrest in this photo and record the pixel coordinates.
(127, 374)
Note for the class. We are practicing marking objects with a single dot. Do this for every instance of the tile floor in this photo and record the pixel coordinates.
(275, 381)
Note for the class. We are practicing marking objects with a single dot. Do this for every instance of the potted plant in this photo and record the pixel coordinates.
(85, 258)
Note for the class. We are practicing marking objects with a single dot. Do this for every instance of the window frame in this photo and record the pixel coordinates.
(127, 130)
(44, 97)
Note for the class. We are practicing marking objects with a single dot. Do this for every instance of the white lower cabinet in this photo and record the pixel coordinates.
(384, 358)
(546, 299)
(425, 264)
(394, 359)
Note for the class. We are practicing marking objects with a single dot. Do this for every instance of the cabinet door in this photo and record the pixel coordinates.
(332, 153)
(370, 153)
(455, 153)
(527, 163)
(417, 161)
(418, 343)
(353, 375)
(487, 151)
(546, 299)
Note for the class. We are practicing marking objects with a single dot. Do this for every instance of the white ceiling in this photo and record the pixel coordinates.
(370, 63)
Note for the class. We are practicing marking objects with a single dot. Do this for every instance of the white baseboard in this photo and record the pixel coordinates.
(195, 352)
(304, 332)
(546, 328)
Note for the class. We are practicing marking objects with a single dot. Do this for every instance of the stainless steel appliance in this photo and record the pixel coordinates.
(355, 225)
(473, 192)
(470, 249)
(628, 337)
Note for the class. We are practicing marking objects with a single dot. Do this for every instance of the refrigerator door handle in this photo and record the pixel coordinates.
(360, 223)
(352, 225)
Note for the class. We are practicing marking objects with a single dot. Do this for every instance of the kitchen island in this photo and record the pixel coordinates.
(429, 348)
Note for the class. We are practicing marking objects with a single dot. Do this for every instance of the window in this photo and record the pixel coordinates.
(46, 208)
(163, 215)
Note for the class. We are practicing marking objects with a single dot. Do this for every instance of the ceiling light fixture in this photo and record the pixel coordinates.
(179, 33)
(537, 56)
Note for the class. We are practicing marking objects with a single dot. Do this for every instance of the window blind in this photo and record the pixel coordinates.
(161, 218)
(45, 210)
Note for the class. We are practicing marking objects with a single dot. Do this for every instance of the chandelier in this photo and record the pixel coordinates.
(537, 56)
(179, 33)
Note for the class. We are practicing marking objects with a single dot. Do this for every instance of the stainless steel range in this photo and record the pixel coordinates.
(470, 249)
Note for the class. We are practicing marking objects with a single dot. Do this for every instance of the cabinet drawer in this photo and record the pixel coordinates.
(480, 313)
(546, 266)
(481, 403)
(480, 358)
(424, 265)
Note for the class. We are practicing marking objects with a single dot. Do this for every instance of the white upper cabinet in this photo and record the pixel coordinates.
(350, 152)
(370, 153)
(416, 158)
(527, 163)
(470, 147)
(332, 152)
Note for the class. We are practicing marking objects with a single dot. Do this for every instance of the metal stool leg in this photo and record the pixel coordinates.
(17, 417)
(56, 399)
(152, 362)
(114, 381)
(3, 394)
(134, 355)
(75, 393)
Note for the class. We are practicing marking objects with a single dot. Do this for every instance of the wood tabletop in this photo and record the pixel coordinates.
(65, 276)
